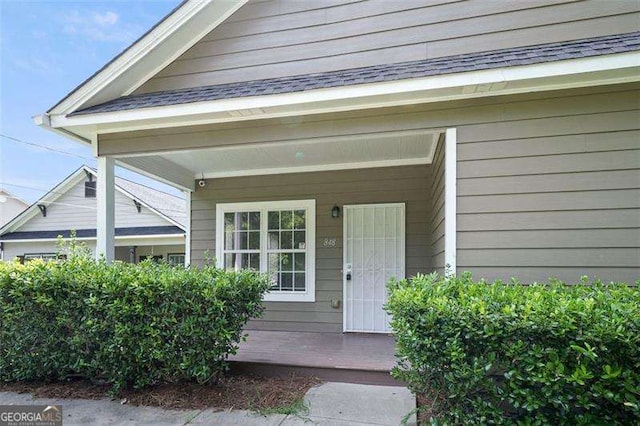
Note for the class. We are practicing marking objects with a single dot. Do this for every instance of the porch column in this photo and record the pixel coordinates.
(187, 227)
(105, 194)
(450, 201)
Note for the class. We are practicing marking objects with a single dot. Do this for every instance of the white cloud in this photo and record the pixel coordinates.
(98, 26)
(35, 65)
(105, 19)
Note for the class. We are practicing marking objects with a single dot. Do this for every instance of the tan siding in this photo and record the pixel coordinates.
(568, 219)
(327, 188)
(280, 38)
(436, 218)
(548, 184)
(552, 197)
(569, 274)
(550, 239)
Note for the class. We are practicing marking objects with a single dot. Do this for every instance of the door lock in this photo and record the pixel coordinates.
(347, 272)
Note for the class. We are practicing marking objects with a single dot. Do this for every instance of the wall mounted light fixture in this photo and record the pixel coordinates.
(335, 212)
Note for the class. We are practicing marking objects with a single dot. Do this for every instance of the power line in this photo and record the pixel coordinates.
(48, 148)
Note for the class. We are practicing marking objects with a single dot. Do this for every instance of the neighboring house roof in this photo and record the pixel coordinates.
(167, 206)
(529, 55)
(10, 206)
(9, 194)
(91, 233)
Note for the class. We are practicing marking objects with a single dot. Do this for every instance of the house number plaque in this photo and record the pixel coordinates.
(328, 242)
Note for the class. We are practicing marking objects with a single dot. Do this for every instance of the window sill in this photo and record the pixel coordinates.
(289, 297)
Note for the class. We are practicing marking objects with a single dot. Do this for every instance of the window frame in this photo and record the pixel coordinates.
(309, 295)
(46, 256)
(169, 255)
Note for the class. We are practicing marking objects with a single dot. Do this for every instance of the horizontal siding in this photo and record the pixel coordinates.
(386, 185)
(73, 211)
(280, 38)
(567, 219)
(436, 200)
(550, 239)
(308, 326)
(551, 145)
(553, 196)
(569, 274)
(578, 258)
(550, 182)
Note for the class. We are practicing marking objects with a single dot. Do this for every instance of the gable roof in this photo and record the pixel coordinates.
(529, 55)
(167, 206)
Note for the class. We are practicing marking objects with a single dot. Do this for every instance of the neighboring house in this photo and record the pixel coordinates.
(10, 206)
(335, 145)
(148, 223)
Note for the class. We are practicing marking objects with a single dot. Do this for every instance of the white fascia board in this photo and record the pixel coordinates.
(187, 241)
(373, 95)
(189, 23)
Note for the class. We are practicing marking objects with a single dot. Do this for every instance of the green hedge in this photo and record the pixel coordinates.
(494, 353)
(131, 325)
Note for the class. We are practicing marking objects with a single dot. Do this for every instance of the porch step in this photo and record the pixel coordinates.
(344, 375)
(336, 357)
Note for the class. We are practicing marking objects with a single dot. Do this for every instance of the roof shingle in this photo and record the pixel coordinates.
(388, 72)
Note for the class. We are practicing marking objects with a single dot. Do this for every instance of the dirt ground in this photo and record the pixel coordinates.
(240, 392)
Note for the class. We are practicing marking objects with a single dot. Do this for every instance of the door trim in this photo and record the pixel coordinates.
(345, 210)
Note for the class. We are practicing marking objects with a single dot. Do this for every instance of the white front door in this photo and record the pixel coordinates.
(373, 254)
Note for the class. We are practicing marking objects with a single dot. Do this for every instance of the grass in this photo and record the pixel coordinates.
(297, 408)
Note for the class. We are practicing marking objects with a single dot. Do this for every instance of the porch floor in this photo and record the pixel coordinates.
(360, 358)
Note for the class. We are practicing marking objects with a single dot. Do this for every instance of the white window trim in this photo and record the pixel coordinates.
(170, 255)
(43, 256)
(309, 295)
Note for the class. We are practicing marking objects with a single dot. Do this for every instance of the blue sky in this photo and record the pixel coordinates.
(47, 49)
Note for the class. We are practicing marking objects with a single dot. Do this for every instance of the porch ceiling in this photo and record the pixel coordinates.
(318, 154)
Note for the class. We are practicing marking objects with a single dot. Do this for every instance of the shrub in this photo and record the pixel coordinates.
(131, 325)
(494, 353)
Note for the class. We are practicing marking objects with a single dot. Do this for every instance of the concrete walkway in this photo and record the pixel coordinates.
(329, 404)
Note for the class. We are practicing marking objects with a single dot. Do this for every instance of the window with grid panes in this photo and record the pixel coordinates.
(276, 238)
